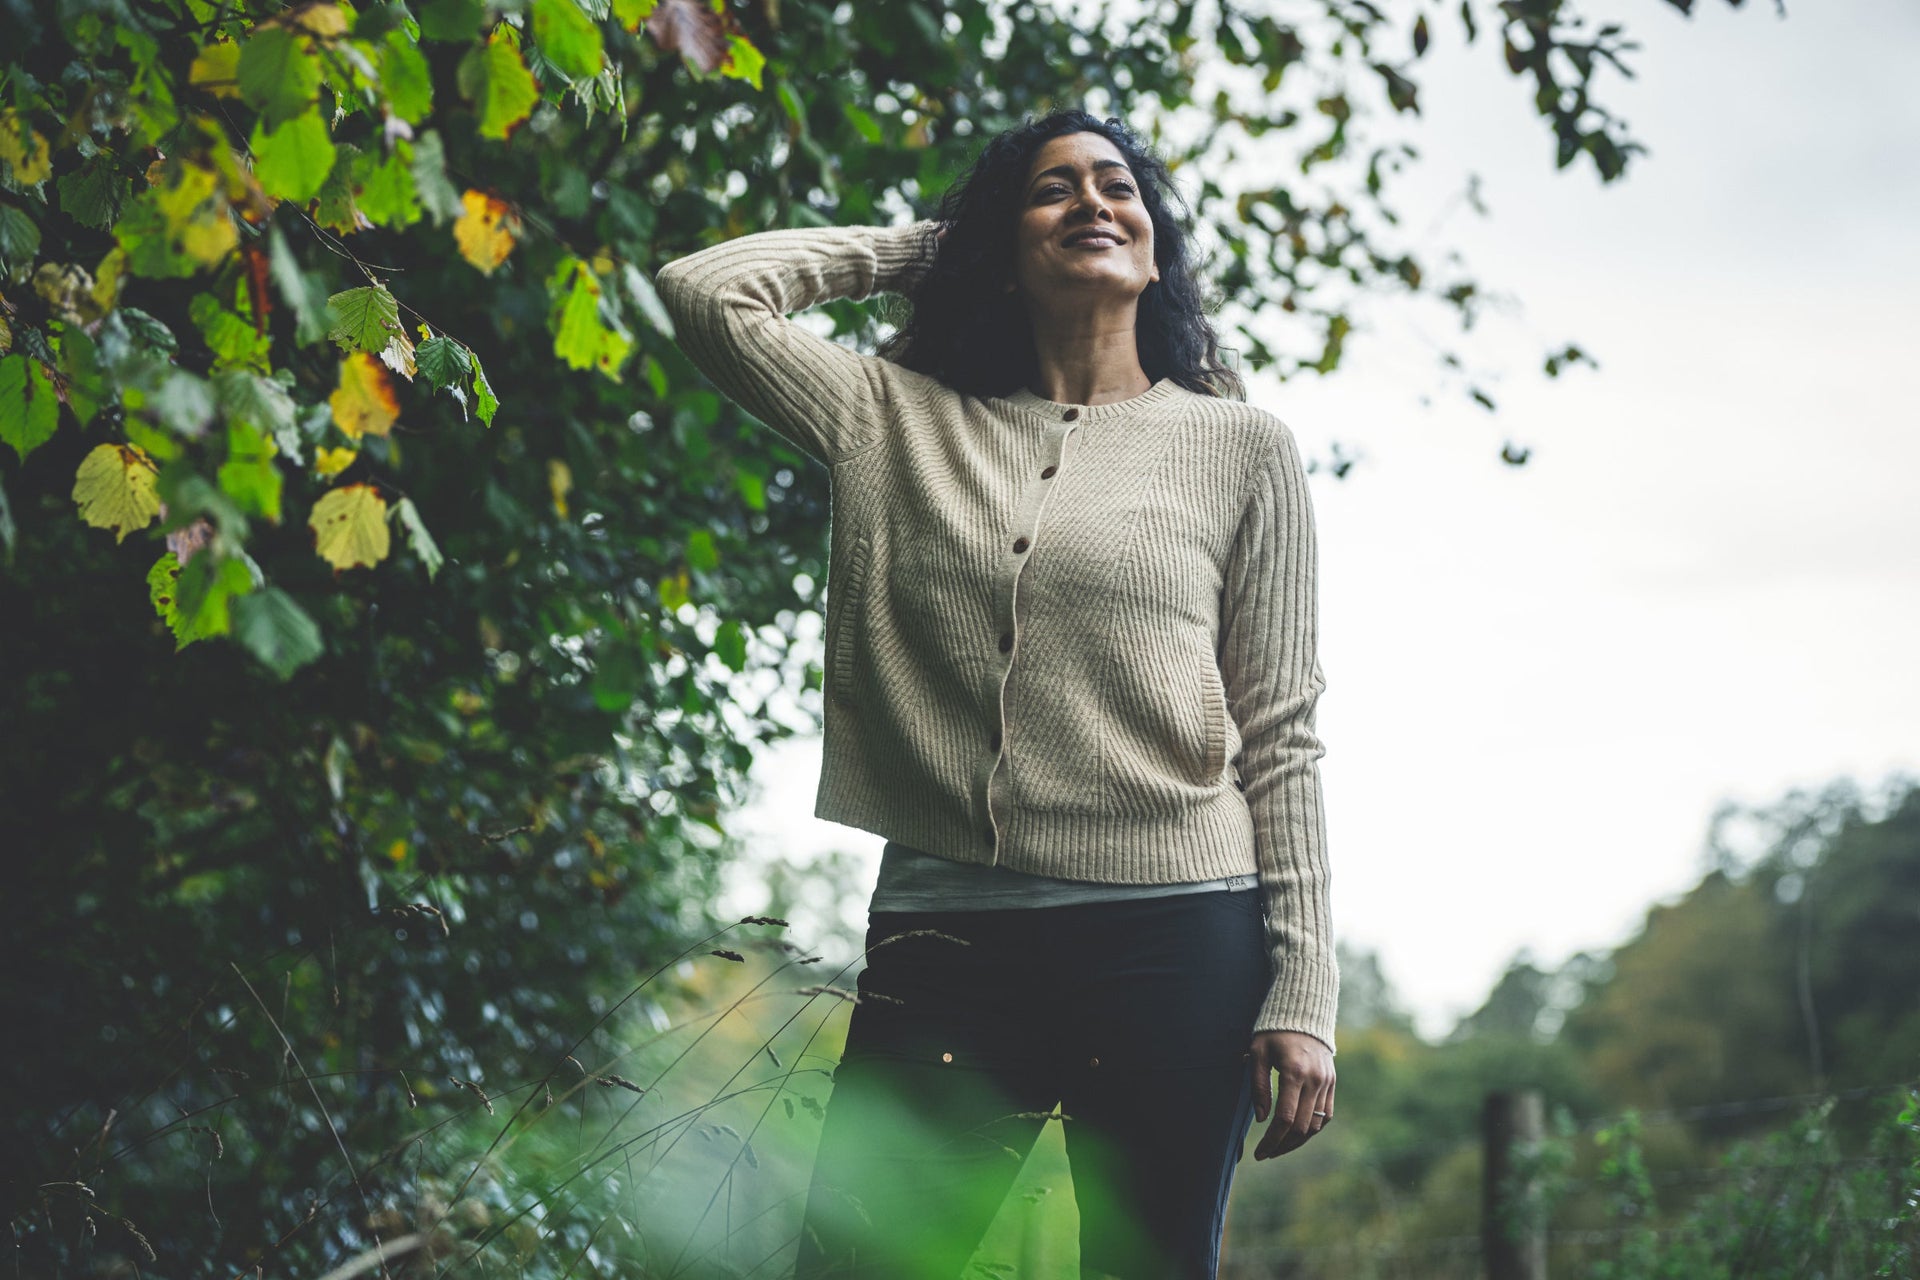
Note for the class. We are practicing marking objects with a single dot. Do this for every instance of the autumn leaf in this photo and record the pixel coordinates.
(486, 230)
(364, 402)
(114, 488)
(350, 527)
(691, 29)
(24, 150)
(331, 462)
(216, 69)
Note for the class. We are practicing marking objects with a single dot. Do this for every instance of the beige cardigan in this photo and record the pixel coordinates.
(1073, 640)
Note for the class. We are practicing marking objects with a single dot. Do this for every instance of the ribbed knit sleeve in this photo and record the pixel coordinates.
(730, 304)
(1271, 668)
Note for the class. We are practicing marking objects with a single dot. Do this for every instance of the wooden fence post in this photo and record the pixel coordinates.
(1512, 1241)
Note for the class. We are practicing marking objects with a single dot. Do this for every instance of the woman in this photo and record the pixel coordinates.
(1071, 676)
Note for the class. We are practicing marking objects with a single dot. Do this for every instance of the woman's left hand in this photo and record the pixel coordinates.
(1305, 1066)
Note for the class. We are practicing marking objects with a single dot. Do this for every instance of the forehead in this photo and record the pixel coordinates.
(1080, 150)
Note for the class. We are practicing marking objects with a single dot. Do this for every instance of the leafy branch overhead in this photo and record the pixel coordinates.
(179, 236)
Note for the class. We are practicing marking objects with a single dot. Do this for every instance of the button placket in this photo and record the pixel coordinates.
(1025, 533)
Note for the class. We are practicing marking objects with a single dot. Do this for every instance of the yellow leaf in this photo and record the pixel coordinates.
(331, 462)
(397, 851)
(350, 526)
(106, 279)
(114, 488)
(29, 156)
(216, 68)
(560, 482)
(364, 401)
(320, 20)
(486, 231)
(195, 209)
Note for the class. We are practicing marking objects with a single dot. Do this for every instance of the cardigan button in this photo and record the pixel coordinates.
(1020, 544)
(1006, 643)
(1048, 473)
(1070, 415)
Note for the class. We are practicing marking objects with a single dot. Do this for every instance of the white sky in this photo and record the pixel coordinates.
(1704, 584)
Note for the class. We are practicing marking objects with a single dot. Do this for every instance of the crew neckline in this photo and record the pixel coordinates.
(1160, 392)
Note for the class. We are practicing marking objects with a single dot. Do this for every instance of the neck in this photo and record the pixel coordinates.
(1088, 355)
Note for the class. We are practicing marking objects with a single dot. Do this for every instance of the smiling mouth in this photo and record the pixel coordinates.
(1100, 238)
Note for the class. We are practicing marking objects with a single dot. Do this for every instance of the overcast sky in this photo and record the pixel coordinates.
(1705, 582)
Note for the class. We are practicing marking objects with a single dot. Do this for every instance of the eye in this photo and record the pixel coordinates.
(1053, 187)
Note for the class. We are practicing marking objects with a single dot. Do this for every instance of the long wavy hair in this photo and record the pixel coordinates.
(964, 330)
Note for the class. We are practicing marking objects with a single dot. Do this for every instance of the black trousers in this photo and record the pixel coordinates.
(1134, 1018)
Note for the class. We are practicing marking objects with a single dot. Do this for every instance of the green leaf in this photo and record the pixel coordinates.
(9, 534)
(631, 13)
(456, 21)
(275, 629)
(568, 39)
(496, 81)
(93, 194)
(484, 401)
(234, 341)
(443, 361)
(730, 644)
(300, 289)
(261, 403)
(417, 536)
(163, 588)
(86, 384)
(19, 239)
(752, 489)
(387, 197)
(701, 553)
(745, 61)
(278, 77)
(183, 404)
(29, 411)
(249, 475)
(294, 160)
(405, 78)
(438, 196)
(363, 319)
(581, 336)
(206, 590)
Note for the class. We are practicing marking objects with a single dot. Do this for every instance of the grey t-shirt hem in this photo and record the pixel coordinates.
(914, 881)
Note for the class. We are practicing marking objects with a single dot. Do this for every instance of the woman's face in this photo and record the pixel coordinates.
(1083, 227)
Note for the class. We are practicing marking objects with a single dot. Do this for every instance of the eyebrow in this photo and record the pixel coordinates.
(1066, 170)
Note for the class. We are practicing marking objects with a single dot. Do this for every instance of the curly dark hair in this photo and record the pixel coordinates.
(965, 331)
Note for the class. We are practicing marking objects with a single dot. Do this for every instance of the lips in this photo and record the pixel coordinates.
(1081, 237)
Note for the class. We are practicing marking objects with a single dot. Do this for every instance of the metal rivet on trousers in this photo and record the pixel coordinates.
(1093, 1062)
(946, 1057)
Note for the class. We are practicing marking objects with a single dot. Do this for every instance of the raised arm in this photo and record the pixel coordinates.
(730, 304)
(1271, 669)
